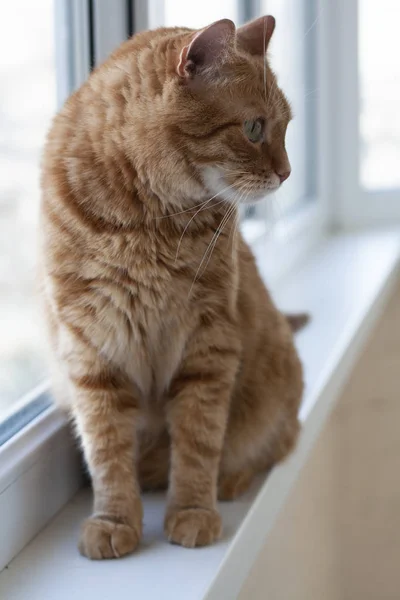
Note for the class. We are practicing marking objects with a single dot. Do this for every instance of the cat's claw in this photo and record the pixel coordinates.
(102, 538)
(193, 527)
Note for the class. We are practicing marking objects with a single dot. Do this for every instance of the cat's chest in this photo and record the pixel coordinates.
(156, 308)
(150, 330)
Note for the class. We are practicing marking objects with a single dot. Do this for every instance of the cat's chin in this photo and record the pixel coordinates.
(258, 196)
(220, 189)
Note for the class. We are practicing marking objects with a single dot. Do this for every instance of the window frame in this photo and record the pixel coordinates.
(292, 237)
(73, 45)
(354, 205)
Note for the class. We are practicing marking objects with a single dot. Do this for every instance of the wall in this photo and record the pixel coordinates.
(338, 537)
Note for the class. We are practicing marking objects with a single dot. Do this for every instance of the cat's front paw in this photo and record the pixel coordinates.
(106, 538)
(192, 527)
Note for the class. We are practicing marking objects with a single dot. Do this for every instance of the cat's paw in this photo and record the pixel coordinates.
(192, 527)
(106, 538)
(234, 485)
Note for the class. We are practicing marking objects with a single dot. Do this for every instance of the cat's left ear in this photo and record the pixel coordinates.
(255, 36)
(206, 48)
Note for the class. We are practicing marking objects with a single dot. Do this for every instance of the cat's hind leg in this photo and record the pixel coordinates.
(256, 440)
(233, 485)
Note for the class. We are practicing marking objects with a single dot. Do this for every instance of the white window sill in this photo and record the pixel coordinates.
(344, 284)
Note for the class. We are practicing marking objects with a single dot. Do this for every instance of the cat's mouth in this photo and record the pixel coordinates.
(245, 190)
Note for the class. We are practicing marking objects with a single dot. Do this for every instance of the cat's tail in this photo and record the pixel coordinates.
(297, 321)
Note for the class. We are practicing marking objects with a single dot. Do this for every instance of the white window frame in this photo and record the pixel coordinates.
(355, 206)
(40, 469)
(291, 239)
(73, 47)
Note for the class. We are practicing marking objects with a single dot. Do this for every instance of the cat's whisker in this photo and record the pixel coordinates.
(234, 228)
(181, 212)
(196, 213)
(313, 24)
(271, 94)
(231, 210)
(245, 190)
(231, 171)
(310, 93)
(211, 245)
(235, 232)
(265, 60)
(247, 185)
(218, 232)
(204, 202)
(234, 172)
(307, 92)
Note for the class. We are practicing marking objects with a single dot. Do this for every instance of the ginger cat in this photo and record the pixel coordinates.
(167, 350)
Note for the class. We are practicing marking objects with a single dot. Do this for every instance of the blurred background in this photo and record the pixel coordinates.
(339, 63)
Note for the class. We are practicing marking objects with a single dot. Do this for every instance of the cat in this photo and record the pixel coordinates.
(166, 348)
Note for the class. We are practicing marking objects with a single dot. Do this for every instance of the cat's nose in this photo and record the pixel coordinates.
(283, 176)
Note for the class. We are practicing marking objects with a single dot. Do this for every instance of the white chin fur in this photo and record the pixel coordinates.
(215, 182)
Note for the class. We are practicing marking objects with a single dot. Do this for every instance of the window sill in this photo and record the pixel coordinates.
(288, 242)
(344, 284)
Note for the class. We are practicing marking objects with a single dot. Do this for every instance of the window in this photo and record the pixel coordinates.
(338, 64)
(27, 103)
(48, 48)
(196, 15)
(45, 54)
(364, 136)
(379, 94)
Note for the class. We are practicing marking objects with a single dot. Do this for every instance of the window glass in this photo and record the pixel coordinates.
(27, 103)
(379, 70)
(199, 14)
(292, 57)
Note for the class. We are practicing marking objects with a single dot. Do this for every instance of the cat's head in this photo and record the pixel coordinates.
(222, 114)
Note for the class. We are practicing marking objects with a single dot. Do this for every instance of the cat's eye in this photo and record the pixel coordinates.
(254, 130)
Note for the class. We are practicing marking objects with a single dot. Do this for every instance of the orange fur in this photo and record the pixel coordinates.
(174, 362)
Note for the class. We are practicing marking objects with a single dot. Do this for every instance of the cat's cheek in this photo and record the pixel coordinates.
(218, 187)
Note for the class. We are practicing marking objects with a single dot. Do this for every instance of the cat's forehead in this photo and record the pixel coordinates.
(257, 92)
(269, 89)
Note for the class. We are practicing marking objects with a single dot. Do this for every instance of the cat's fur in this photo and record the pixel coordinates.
(176, 370)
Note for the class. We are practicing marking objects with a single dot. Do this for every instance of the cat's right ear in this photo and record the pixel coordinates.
(206, 48)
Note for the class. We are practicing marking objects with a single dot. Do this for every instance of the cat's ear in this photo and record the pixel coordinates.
(255, 36)
(206, 48)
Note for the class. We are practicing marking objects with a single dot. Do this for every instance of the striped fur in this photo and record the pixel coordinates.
(173, 361)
